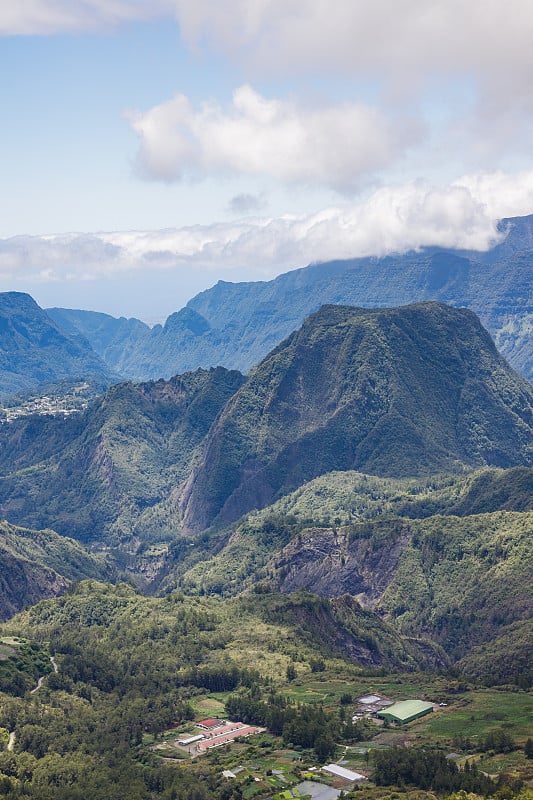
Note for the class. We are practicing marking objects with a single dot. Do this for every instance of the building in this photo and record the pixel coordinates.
(342, 772)
(369, 699)
(210, 724)
(406, 711)
(370, 704)
(190, 740)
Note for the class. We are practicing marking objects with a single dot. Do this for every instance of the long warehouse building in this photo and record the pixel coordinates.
(406, 711)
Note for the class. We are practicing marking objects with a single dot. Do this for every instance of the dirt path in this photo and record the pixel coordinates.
(39, 684)
(11, 742)
(41, 679)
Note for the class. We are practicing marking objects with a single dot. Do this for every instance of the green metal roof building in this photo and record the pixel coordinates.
(406, 711)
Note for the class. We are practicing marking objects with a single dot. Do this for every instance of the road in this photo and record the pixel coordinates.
(11, 741)
(41, 679)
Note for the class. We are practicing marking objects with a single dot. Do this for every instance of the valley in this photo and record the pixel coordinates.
(136, 674)
(351, 518)
(266, 400)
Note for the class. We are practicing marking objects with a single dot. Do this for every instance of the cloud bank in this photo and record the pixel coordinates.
(355, 36)
(461, 215)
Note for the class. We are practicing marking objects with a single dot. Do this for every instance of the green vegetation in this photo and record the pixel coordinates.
(107, 475)
(341, 498)
(335, 500)
(420, 585)
(21, 665)
(430, 770)
(37, 564)
(461, 581)
(133, 672)
(393, 392)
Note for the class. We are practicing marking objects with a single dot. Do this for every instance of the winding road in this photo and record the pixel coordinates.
(41, 679)
(11, 741)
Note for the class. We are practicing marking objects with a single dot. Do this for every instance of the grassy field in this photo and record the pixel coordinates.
(8, 647)
(264, 766)
(210, 706)
(6, 651)
(474, 714)
(327, 688)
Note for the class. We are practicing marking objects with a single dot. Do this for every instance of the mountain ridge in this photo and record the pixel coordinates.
(34, 350)
(237, 324)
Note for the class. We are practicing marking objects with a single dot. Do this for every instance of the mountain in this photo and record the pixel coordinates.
(444, 557)
(237, 324)
(393, 392)
(35, 351)
(40, 564)
(250, 551)
(101, 475)
(115, 340)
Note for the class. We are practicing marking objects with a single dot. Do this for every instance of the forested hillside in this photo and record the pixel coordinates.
(397, 392)
(39, 564)
(99, 476)
(444, 557)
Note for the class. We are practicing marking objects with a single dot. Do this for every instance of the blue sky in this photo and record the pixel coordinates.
(149, 148)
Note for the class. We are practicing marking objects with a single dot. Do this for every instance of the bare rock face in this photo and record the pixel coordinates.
(333, 563)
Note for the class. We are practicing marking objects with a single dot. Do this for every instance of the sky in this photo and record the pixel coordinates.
(149, 148)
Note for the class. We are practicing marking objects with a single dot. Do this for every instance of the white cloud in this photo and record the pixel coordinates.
(332, 145)
(409, 49)
(461, 215)
(38, 17)
(357, 36)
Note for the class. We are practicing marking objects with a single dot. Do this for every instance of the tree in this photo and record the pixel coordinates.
(291, 672)
(528, 748)
(325, 747)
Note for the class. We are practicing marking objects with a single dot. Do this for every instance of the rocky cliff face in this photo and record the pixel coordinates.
(461, 581)
(40, 564)
(22, 584)
(332, 563)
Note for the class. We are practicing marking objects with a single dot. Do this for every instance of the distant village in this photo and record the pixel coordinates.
(63, 402)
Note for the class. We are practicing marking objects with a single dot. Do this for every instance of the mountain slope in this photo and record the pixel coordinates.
(462, 580)
(404, 391)
(34, 350)
(40, 564)
(237, 324)
(100, 475)
(115, 340)
(247, 553)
